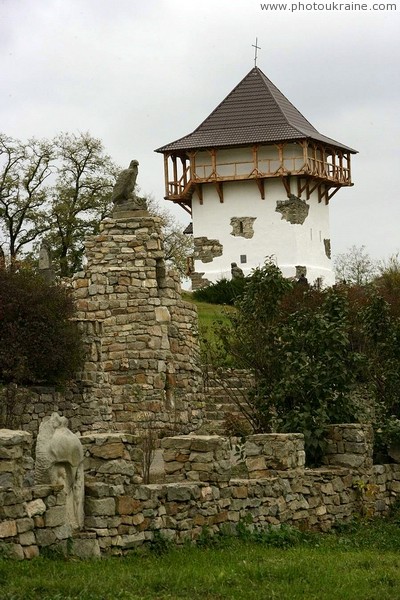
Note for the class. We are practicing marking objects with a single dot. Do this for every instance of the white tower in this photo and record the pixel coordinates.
(257, 179)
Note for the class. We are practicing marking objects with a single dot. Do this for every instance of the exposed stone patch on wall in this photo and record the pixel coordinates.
(327, 246)
(301, 270)
(243, 226)
(294, 210)
(206, 250)
(198, 281)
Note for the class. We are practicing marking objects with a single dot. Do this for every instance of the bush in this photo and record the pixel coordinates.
(223, 292)
(39, 343)
(310, 350)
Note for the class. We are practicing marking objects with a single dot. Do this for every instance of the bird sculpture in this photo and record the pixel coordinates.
(123, 191)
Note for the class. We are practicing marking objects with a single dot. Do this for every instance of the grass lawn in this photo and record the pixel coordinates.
(208, 313)
(363, 564)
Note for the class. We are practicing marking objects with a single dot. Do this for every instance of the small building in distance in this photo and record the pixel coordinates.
(257, 179)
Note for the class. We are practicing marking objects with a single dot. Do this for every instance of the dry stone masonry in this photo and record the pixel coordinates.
(350, 445)
(197, 458)
(122, 513)
(269, 452)
(142, 364)
(144, 349)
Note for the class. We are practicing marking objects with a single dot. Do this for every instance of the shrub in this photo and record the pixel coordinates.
(310, 350)
(223, 292)
(39, 343)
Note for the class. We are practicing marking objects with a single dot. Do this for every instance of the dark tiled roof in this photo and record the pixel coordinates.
(254, 112)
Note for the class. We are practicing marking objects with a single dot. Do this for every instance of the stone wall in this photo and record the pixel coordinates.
(145, 355)
(121, 512)
(142, 364)
(350, 445)
(226, 390)
(84, 409)
(197, 458)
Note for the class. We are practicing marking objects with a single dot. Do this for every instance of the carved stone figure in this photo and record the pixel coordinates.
(59, 460)
(45, 264)
(236, 271)
(124, 190)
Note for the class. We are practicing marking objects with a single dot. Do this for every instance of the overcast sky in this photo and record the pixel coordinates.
(141, 73)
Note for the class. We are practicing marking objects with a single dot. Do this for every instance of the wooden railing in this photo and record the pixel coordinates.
(182, 187)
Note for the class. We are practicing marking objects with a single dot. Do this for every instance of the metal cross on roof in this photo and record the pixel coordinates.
(255, 52)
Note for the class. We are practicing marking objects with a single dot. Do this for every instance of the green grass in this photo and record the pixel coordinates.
(363, 564)
(209, 314)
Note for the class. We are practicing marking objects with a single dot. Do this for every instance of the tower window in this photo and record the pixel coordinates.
(243, 259)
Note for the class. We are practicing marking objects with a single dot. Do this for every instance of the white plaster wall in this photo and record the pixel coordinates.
(290, 244)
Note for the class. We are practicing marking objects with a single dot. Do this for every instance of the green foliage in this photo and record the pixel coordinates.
(222, 292)
(82, 178)
(38, 341)
(80, 198)
(160, 544)
(310, 350)
(283, 536)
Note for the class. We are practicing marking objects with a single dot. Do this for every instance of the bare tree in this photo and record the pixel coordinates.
(355, 266)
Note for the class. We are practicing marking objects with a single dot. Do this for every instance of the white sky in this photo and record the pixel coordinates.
(141, 73)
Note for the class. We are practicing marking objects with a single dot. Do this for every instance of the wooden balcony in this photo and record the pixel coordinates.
(314, 166)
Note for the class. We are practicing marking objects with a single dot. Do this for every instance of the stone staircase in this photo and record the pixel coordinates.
(224, 393)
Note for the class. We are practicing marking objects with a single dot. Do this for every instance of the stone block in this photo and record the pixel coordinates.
(109, 451)
(127, 505)
(25, 524)
(130, 541)
(35, 507)
(27, 539)
(256, 463)
(173, 467)
(63, 532)
(179, 493)
(55, 516)
(8, 529)
(100, 507)
(30, 552)
(86, 548)
(45, 537)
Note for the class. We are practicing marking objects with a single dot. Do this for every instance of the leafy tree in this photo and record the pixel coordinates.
(300, 357)
(58, 191)
(388, 278)
(355, 267)
(80, 198)
(24, 171)
(317, 357)
(39, 343)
